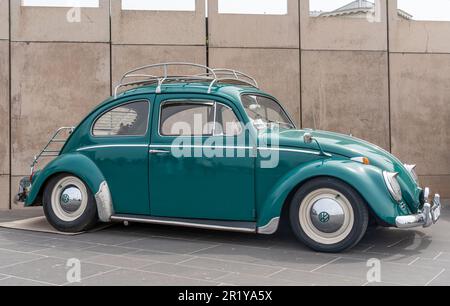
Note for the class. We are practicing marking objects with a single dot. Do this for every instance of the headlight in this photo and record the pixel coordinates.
(412, 170)
(393, 186)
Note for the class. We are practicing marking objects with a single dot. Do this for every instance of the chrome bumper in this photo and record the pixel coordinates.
(428, 216)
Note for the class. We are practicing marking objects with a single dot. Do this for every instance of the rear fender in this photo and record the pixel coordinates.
(85, 169)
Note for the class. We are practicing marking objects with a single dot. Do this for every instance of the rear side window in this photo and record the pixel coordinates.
(126, 120)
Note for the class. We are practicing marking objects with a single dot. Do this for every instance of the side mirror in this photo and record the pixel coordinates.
(308, 138)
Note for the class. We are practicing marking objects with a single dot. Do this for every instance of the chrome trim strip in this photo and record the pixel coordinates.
(195, 147)
(236, 147)
(270, 228)
(103, 199)
(200, 146)
(112, 146)
(290, 150)
(151, 220)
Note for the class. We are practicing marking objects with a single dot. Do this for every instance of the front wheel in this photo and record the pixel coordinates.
(69, 204)
(328, 215)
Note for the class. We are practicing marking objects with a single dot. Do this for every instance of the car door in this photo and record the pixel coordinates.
(119, 142)
(195, 171)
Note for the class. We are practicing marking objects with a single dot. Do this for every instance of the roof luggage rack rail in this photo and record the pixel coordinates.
(50, 150)
(137, 77)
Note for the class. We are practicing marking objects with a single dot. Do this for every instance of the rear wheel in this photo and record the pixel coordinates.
(69, 204)
(328, 215)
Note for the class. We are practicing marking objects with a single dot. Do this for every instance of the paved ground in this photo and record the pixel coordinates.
(158, 255)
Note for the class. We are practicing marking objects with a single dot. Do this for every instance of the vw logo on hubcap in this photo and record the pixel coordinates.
(324, 217)
(65, 198)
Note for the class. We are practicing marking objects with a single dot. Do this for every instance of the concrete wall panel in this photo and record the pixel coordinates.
(158, 27)
(51, 23)
(129, 57)
(417, 36)
(341, 33)
(4, 192)
(4, 107)
(262, 31)
(276, 70)
(420, 100)
(347, 92)
(438, 183)
(53, 85)
(4, 19)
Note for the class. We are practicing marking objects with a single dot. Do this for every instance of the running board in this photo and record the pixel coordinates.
(229, 226)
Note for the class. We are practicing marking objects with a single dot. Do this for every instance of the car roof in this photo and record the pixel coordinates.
(227, 91)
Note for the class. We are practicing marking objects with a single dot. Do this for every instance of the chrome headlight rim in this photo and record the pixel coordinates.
(392, 184)
(412, 171)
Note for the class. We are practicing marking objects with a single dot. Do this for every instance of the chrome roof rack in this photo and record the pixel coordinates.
(138, 77)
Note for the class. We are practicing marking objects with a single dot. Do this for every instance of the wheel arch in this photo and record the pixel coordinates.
(366, 180)
(81, 166)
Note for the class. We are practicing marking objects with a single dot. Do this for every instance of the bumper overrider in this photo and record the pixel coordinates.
(426, 217)
(24, 190)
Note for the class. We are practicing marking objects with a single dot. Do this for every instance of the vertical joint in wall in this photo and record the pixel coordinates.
(10, 106)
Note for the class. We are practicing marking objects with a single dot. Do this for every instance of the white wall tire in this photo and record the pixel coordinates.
(328, 215)
(69, 204)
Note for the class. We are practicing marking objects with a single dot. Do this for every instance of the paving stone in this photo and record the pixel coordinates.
(185, 271)
(121, 261)
(239, 279)
(112, 250)
(424, 262)
(50, 270)
(231, 266)
(317, 279)
(66, 253)
(107, 237)
(20, 282)
(442, 279)
(8, 258)
(168, 245)
(125, 277)
(381, 284)
(159, 256)
(21, 246)
(269, 257)
(390, 272)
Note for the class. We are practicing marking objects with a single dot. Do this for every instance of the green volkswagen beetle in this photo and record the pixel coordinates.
(208, 149)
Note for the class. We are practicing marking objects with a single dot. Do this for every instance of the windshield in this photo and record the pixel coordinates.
(264, 111)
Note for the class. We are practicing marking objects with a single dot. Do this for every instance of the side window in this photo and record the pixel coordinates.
(187, 118)
(227, 124)
(126, 120)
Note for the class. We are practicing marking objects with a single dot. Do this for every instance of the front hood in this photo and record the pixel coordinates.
(348, 146)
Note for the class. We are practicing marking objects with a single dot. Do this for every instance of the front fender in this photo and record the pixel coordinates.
(84, 168)
(367, 180)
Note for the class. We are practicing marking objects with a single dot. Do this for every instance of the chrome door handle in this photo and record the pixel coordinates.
(159, 152)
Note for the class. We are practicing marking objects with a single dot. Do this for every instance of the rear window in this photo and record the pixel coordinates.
(126, 120)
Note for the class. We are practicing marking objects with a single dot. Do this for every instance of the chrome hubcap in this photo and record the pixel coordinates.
(327, 215)
(71, 199)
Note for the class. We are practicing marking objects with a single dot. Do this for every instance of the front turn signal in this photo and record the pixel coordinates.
(362, 160)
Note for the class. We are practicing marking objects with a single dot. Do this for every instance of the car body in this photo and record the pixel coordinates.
(136, 177)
